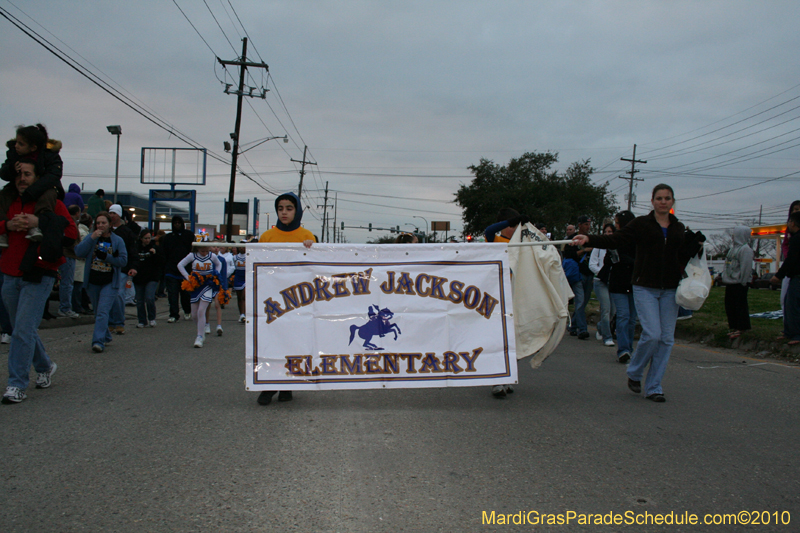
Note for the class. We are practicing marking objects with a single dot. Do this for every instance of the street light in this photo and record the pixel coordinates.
(262, 141)
(116, 130)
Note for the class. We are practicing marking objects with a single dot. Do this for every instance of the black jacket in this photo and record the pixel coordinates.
(176, 246)
(621, 273)
(149, 265)
(49, 168)
(659, 262)
(791, 267)
(130, 245)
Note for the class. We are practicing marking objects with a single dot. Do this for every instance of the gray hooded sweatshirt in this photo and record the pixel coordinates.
(739, 262)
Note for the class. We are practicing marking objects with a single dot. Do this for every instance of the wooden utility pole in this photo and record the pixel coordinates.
(302, 171)
(325, 215)
(632, 172)
(242, 64)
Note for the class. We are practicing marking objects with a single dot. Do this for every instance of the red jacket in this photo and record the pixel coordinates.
(18, 244)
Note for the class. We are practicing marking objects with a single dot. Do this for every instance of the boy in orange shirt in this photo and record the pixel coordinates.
(290, 213)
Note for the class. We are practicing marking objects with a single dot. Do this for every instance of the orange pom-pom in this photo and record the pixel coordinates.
(224, 297)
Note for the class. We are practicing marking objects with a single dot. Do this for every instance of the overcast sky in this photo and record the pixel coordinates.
(396, 99)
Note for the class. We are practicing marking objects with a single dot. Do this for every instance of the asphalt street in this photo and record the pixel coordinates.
(155, 435)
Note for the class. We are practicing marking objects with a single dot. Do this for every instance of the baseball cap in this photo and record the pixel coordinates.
(583, 219)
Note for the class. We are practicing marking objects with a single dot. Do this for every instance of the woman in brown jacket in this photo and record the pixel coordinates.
(663, 248)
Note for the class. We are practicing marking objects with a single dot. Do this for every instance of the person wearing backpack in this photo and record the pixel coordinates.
(581, 286)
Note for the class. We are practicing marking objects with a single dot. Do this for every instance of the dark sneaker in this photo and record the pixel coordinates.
(658, 398)
(583, 335)
(265, 397)
(285, 396)
(499, 391)
(635, 386)
(13, 395)
(573, 333)
(624, 358)
(43, 379)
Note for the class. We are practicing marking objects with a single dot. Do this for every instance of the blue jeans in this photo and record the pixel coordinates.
(606, 309)
(24, 301)
(103, 298)
(658, 313)
(583, 291)
(791, 315)
(129, 294)
(5, 320)
(67, 273)
(626, 321)
(117, 314)
(146, 301)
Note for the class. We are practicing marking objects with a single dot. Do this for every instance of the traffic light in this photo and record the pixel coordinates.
(469, 238)
(398, 229)
(342, 225)
(370, 226)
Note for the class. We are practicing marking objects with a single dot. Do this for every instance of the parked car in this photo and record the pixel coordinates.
(764, 282)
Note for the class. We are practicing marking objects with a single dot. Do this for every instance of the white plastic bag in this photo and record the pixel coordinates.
(694, 288)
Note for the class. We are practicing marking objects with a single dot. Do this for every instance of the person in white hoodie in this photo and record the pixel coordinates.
(736, 276)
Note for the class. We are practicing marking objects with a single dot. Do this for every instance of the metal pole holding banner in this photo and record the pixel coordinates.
(510, 244)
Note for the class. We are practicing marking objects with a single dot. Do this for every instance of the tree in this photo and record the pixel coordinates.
(383, 239)
(528, 185)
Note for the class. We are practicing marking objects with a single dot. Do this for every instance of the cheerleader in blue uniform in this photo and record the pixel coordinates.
(203, 280)
(240, 260)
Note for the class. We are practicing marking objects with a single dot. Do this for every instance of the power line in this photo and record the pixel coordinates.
(194, 27)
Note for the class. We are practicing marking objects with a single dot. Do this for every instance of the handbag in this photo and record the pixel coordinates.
(694, 288)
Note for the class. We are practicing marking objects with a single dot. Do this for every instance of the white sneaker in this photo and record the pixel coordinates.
(242, 319)
(219, 330)
(68, 314)
(172, 320)
(14, 395)
(198, 342)
(5, 338)
(187, 316)
(207, 330)
(609, 342)
(34, 234)
(152, 323)
(141, 325)
(43, 379)
(598, 336)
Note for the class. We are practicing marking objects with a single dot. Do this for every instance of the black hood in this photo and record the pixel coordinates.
(298, 215)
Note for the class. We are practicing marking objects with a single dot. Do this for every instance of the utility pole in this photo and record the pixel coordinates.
(325, 214)
(242, 64)
(632, 172)
(335, 211)
(302, 171)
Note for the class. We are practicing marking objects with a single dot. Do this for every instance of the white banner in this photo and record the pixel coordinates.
(378, 316)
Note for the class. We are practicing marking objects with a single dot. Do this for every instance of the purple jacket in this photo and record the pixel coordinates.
(73, 197)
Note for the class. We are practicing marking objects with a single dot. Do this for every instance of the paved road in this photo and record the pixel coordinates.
(154, 435)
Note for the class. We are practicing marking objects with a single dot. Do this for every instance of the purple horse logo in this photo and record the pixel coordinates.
(379, 324)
